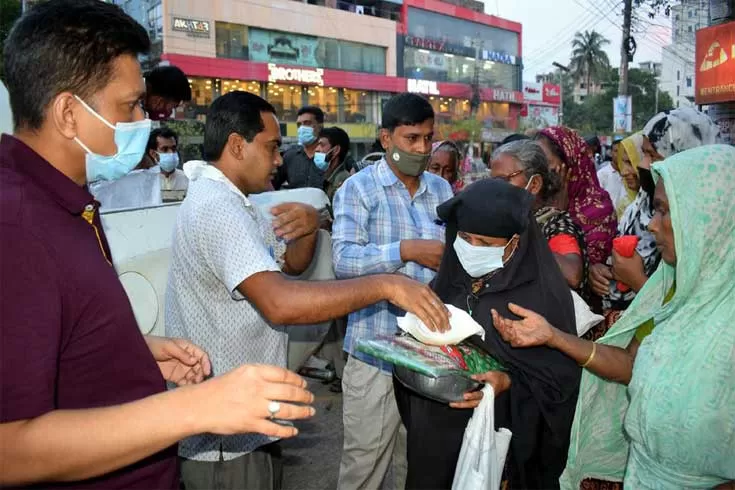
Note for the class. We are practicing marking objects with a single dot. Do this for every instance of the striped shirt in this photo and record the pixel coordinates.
(373, 212)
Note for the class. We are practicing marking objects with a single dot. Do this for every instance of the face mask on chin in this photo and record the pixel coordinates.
(131, 139)
(411, 164)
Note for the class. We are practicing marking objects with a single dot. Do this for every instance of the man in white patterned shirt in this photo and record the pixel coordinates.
(384, 222)
(226, 289)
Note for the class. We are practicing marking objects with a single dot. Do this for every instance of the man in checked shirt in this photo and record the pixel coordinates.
(384, 222)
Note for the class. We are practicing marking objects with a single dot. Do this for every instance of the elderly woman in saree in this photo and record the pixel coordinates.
(496, 254)
(672, 132)
(524, 164)
(582, 196)
(657, 401)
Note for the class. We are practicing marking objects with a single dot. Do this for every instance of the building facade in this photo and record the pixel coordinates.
(344, 57)
(677, 67)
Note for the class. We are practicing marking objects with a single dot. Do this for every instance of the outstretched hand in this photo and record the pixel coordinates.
(531, 330)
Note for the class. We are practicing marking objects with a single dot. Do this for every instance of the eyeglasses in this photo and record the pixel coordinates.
(508, 177)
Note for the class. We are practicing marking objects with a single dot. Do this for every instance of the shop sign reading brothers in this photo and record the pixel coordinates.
(299, 75)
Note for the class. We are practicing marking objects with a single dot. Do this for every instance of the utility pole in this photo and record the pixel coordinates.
(563, 70)
(624, 47)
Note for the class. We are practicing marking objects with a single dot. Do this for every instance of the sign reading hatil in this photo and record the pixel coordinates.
(278, 73)
(715, 64)
(425, 87)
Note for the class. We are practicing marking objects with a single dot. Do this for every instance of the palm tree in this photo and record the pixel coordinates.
(589, 59)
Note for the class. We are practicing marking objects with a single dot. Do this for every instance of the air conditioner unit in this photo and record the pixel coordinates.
(359, 9)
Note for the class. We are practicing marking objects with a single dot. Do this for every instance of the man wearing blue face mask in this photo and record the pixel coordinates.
(299, 168)
(83, 399)
(163, 148)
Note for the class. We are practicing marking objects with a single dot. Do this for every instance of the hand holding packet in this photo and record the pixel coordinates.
(461, 323)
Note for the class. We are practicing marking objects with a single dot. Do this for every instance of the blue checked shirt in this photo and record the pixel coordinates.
(373, 212)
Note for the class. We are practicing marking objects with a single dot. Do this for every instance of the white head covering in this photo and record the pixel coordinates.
(672, 132)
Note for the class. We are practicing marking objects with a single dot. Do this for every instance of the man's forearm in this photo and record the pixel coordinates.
(69, 445)
(300, 253)
(305, 303)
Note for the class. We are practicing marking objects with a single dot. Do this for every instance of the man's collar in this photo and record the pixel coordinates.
(23, 159)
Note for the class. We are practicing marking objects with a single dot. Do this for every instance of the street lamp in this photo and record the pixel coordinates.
(564, 70)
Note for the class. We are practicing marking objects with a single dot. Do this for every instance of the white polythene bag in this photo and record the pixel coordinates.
(584, 316)
(461, 323)
(482, 457)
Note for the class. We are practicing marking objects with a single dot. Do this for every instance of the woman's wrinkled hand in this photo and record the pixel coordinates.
(600, 276)
(530, 331)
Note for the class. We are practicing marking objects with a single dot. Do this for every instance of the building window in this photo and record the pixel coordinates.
(231, 40)
(691, 14)
(677, 90)
(155, 22)
(494, 114)
(232, 85)
(689, 82)
(689, 28)
(423, 64)
(296, 49)
(356, 106)
(581, 86)
(287, 99)
(678, 75)
(326, 98)
(202, 93)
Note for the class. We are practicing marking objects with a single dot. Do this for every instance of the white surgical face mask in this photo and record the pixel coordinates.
(478, 261)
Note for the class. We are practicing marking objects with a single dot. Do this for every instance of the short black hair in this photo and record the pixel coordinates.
(313, 110)
(65, 45)
(168, 82)
(236, 112)
(161, 133)
(406, 110)
(594, 142)
(337, 137)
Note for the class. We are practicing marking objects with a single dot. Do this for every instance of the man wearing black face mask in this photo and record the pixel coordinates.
(384, 221)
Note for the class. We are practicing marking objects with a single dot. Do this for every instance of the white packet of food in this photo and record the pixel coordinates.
(461, 323)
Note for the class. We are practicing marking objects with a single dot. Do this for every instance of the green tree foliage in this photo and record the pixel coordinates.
(589, 59)
(9, 12)
(595, 114)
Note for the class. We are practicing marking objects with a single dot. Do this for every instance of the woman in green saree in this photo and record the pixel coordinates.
(673, 425)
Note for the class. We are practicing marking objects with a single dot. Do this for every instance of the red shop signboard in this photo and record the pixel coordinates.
(715, 64)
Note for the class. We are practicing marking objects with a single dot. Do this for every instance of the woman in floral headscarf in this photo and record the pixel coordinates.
(585, 200)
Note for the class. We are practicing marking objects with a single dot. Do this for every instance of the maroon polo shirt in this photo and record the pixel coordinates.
(68, 337)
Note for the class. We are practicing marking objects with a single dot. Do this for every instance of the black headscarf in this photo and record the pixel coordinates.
(539, 407)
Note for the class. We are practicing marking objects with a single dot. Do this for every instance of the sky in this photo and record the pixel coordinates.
(550, 25)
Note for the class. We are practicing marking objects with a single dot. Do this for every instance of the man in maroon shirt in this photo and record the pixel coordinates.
(82, 392)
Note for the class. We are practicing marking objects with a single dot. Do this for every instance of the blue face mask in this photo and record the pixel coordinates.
(131, 140)
(321, 160)
(306, 135)
(168, 161)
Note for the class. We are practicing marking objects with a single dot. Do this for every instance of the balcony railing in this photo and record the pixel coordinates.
(373, 8)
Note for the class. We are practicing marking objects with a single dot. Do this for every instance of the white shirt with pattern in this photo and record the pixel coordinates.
(221, 239)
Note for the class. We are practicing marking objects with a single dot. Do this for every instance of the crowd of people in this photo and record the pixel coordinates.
(645, 399)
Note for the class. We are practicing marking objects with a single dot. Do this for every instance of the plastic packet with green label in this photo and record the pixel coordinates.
(464, 359)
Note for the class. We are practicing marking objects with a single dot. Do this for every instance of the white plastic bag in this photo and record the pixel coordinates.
(584, 316)
(482, 458)
(461, 324)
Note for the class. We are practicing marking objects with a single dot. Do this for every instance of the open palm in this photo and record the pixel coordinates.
(531, 330)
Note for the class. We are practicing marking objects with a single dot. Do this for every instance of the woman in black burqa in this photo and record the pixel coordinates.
(541, 386)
